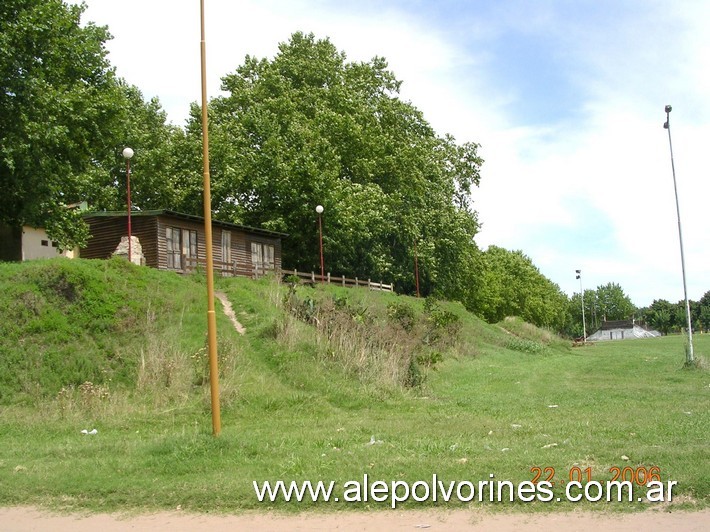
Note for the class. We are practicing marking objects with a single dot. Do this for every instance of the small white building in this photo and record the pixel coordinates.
(621, 330)
(28, 243)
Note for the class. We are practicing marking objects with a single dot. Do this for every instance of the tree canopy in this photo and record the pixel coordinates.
(606, 303)
(308, 127)
(669, 317)
(56, 98)
(511, 285)
(66, 118)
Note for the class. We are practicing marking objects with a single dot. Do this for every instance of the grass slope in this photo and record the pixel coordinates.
(294, 408)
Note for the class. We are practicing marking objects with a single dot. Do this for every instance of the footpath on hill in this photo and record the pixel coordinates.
(22, 519)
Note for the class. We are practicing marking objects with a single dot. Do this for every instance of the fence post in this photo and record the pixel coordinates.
(313, 277)
(369, 284)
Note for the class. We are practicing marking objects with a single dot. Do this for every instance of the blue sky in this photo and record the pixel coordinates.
(566, 99)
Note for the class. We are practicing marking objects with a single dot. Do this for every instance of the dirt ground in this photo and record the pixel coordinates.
(23, 519)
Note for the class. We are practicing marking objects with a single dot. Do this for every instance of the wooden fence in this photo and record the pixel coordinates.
(226, 269)
(342, 281)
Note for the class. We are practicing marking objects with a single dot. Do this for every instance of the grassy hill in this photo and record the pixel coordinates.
(320, 374)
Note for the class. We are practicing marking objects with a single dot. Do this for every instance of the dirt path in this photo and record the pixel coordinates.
(23, 519)
(229, 311)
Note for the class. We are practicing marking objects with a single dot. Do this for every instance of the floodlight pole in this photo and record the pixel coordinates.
(581, 291)
(689, 355)
(211, 318)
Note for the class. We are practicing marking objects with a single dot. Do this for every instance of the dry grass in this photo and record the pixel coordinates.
(376, 353)
(386, 346)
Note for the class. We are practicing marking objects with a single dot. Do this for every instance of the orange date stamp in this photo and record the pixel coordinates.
(640, 476)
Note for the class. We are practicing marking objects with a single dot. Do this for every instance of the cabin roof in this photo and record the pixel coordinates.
(183, 216)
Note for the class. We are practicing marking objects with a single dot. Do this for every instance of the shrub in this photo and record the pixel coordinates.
(402, 314)
(444, 325)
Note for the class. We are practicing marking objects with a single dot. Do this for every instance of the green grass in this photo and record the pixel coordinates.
(293, 410)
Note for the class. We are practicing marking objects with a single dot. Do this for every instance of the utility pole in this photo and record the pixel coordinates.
(689, 356)
(211, 318)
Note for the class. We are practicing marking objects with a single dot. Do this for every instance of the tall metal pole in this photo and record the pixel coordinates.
(211, 318)
(319, 210)
(689, 355)
(581, 291)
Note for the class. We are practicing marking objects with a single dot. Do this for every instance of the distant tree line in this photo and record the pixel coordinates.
(667, 317)
(609, 302)
(306, 127)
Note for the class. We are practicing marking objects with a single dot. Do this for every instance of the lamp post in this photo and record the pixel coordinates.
(581, 291)
(127, 154)
(416, 268)
(319, 210)
(689, 355)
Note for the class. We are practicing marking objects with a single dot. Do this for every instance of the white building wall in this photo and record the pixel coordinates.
(622, 334)
(37, 245)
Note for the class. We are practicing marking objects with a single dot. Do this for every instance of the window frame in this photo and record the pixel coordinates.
(180, 244)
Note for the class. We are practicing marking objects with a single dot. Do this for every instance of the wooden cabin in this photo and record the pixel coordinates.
(175, 241)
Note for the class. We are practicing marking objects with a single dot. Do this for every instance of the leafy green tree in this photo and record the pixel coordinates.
(155, 181)
(660, 315)
(57, 97)
(607, 303)
(680, 318)
(66, 120)
(309, 128)
(704, 312)
(511, 285)
(613, 303)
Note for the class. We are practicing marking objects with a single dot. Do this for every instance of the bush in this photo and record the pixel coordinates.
(402, 314)
(444, 325)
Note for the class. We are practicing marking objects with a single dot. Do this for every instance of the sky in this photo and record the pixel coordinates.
(565, 98)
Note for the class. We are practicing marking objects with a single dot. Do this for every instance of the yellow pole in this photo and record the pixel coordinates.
(211, 319)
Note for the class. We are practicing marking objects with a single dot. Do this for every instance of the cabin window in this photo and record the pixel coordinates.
(180, 244)
(45, 243)
(262, 257)
(226, 247)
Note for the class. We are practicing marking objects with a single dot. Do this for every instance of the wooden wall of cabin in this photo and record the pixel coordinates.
(106, 233)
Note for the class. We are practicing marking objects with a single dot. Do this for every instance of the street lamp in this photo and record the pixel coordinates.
(319, 210)
(581, 291)
(416, 268)
(127, 154)
(689, 356)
